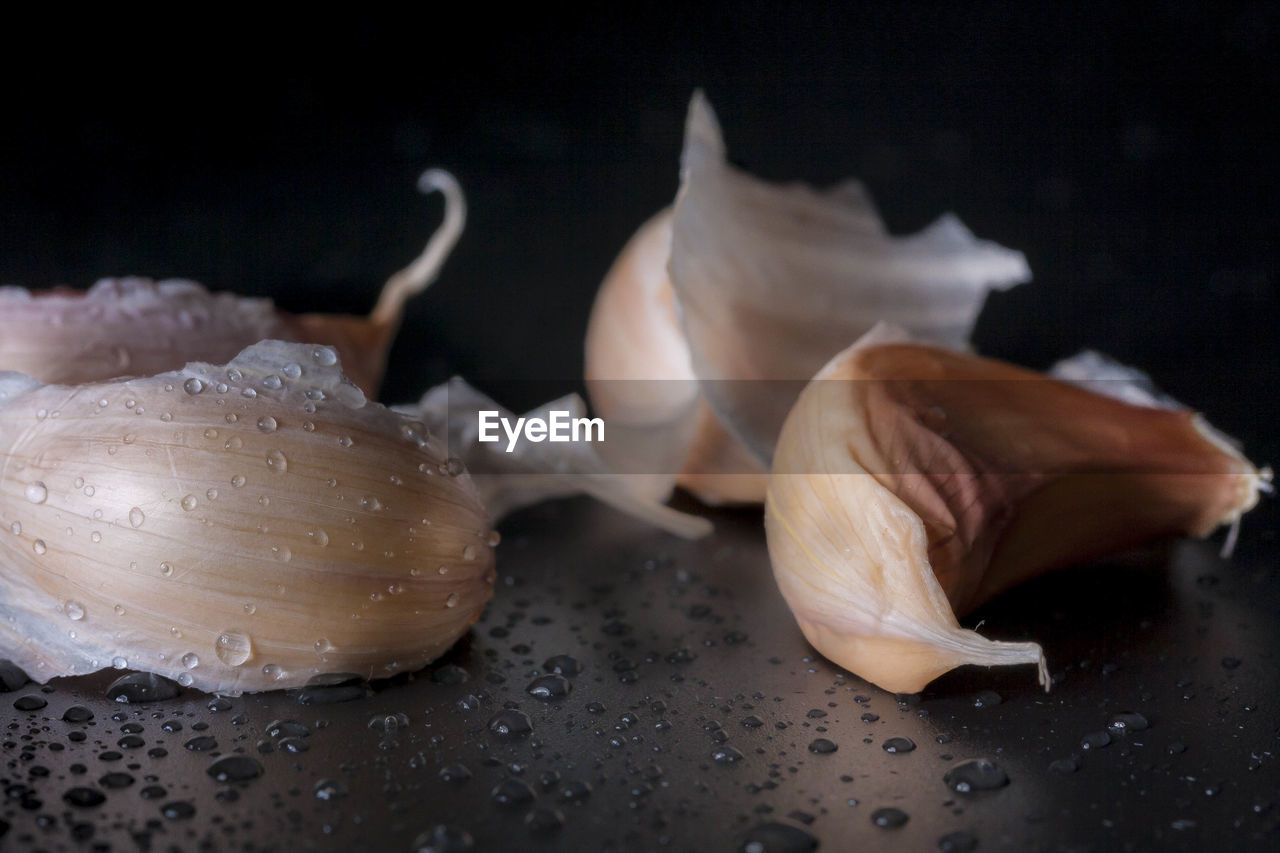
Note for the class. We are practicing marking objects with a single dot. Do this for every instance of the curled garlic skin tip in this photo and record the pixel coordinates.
(137, 327)
(262, 520)
(903, 493)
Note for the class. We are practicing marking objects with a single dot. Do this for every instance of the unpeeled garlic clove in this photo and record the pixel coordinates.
(912, 483)
(238, 528)
(137, 327)
(738, 295)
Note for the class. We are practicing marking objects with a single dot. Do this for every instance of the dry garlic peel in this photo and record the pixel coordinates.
(136, 327)
(240, 527)
(772, 281)
(912, 483)
(534, 472)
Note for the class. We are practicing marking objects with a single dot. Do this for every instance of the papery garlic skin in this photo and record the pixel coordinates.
(137, 327)
(912, 483)
(773, 280)
(237, 528)
(536, 472)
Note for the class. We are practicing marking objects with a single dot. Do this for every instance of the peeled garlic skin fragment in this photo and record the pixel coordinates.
(912, 483)
(237, 528)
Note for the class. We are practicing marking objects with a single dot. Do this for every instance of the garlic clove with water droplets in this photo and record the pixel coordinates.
(238, 528)
(137, 327)
(912, 483)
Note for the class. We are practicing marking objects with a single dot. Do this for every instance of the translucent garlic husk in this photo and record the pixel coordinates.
(912, 483)
(138, 327)
(718, 311)
(237, 528)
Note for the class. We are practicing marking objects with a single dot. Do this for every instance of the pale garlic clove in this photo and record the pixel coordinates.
(772, 281)
(536, 471)
(137, 327)
(912, 483)
(640, 378)
(238, 528)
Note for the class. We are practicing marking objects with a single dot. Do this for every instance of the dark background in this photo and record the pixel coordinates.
(1126, 151)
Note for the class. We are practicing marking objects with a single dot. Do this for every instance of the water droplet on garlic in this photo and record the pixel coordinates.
(190, 660)
(277, 462)
(233, 647)
(37, 493)
(136, 517)
(189, 503)
(193, 386)
(74, 610)
(266, 423)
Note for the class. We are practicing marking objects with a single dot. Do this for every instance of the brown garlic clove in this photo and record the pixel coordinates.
(912, 483)
(136, 327)
(238, 528)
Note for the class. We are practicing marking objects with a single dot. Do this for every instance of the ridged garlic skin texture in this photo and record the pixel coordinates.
(237, 528)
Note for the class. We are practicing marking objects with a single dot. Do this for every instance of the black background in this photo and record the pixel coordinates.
(1127, 151)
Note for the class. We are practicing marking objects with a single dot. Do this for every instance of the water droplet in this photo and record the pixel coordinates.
(16, 528)
(95, 537)
(345, 441)
(136, 517)
(898, 745)
(272, 382)
(511, 723)
(978, 774)
(235, 768)
(822, 746)
(185, 679)
(493, 539)
(1095, 740)
(889, 818)
(234, 443)
(233, 648)
(281, 553)
(512, 793)
(324, 356)
(77, 714)
(30, 703)
(37, 493)
(778, 838)
(455, 773)
(469, 552)
(166, 569)
(193, 386)
(308, 426)
(727, 755)
(211, 494)
(74, 610)
(84, 798)
(211, 433)
(454, 467)
(141, 687)
(549, 687)
(562, 665)
(266, 423)
(451, 601)
(39, 547)
(190, 660)
(119, 662)
(958, 842)
(189, 503)
(444, 839)
(237, 481)
(1127, 722)
(273, 672)
(323, 646)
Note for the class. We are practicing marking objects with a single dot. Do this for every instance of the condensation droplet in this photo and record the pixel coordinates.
(452, 600)
(282, 553)
(324, 356)
(190, 660)
(39, 547)
(319, 537)
(272, 383)
(323, 646)
(266, 423)
(95, 537)
(345, 441)
(16, 528)
(185, 679)
(273, 672)
(234, 648)
(469, 552)
(293, 371)
(193, 386)
(211, 494)
(74, 610)
(211, 433)
(137, 517)
(119, 662)
(37, 493)
(189, 503)
(166, 569)
(277, 462)
(237, 481)
(119, 610)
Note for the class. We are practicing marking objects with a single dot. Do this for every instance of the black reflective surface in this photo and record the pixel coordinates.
(1125, 150)
(693, 715)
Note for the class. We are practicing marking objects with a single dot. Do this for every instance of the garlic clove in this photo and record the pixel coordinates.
(771, 281)
(534, 472)
(238, 528)
(912, 483)
(137, 327)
